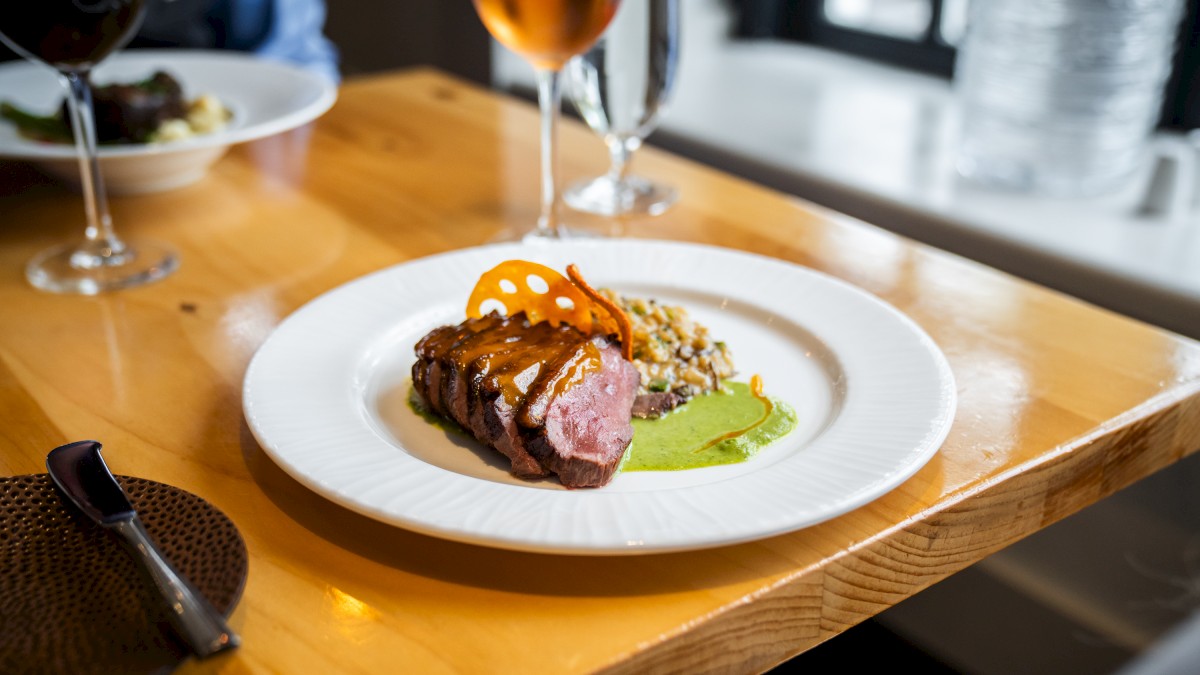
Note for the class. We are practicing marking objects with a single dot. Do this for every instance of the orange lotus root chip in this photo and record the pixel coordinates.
(517, 286)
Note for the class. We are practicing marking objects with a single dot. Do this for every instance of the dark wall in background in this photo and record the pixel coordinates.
(1181, 104)
(375, 35)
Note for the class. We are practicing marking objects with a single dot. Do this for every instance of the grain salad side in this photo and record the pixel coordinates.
(672, 353)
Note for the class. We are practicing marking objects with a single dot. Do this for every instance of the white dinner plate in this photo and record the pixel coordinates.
(266, 98)
(326, 395)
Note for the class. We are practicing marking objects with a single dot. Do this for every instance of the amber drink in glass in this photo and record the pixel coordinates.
(547, 34)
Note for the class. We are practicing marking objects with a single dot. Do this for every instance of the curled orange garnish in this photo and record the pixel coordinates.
(756, 385)
(537, 290)
(617, 319)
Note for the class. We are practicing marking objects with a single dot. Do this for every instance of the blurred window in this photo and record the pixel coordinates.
(922, 34)
(916, 34)
(903, 19)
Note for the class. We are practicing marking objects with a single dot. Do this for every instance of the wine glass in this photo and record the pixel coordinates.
(547, 33)
(72, 36)
(621, 87)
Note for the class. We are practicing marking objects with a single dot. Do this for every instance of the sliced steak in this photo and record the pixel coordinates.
(499, 420)
(450, 357)
(583, 430)
(497, 389)
(427, 371)
(502, 379)
(473, 353)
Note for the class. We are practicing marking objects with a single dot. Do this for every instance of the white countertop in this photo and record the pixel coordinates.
(878, 143)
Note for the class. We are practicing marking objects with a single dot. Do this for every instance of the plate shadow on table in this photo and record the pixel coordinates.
(507, 570)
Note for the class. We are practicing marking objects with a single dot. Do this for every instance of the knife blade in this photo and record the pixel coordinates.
(85, 481)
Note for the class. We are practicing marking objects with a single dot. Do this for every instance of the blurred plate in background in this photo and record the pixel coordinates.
(265, 97)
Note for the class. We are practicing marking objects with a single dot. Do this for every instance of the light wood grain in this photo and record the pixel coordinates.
(1060, 404)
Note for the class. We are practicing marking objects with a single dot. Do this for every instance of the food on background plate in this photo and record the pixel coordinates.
(551, 372)
(153, 110)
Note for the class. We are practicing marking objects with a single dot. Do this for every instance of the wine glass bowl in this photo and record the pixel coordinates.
(547, 34)
(621, 87)
(72, 36)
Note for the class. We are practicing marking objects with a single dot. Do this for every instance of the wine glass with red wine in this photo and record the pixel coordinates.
(72, 36)
(547, 34)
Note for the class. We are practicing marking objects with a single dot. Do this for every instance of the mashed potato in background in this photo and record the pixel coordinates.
(205, 114)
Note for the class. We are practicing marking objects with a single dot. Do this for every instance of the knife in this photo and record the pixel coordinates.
(81, 475)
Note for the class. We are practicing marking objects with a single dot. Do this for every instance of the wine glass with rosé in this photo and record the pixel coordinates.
(547, 34)
(72, 36)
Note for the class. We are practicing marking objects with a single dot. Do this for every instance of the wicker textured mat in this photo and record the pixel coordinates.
(73, 600)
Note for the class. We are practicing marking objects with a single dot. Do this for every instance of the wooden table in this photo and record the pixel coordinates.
(1060, 404)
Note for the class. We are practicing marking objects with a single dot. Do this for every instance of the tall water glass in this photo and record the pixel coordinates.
(547, 33)
(621, 88)
(1060, 97)
(72, 36)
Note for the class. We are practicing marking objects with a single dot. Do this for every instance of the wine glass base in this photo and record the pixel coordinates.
(71, 269)
(633, 196)
(561, 233)
(545, 237)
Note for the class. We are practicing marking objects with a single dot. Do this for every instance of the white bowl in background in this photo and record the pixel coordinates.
(266, 98)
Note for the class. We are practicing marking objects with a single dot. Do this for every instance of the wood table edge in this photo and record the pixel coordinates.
(815, 604)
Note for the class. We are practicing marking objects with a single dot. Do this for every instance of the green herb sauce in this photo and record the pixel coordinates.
(684, 438)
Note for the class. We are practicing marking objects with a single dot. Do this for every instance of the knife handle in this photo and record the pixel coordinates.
(196, 621)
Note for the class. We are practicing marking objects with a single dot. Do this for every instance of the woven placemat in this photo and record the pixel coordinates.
(72, 599)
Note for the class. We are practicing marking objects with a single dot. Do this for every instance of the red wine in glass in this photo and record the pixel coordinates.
(72, 36)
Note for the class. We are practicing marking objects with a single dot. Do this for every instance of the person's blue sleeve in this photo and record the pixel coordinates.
(297, 35)
(294, 32)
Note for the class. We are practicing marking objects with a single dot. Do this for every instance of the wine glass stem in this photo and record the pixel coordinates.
(550, 101)
(620, 150)
(101, 242)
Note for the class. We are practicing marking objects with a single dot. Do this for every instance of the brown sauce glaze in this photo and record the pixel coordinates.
(427, 379)
(578, 358)
(529, 365)
(515, 366)
(499, 340)
(441, 339)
